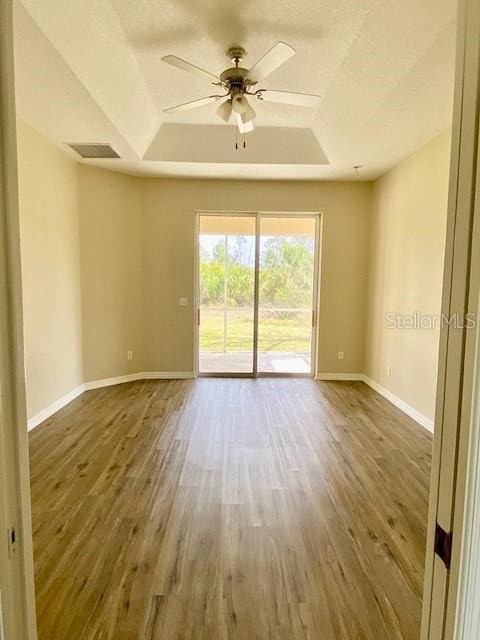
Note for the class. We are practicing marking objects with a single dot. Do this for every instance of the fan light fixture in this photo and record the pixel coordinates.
(238, 83)
(225, 110)
(241, 105)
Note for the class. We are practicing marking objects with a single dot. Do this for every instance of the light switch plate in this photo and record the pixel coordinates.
(183, 302)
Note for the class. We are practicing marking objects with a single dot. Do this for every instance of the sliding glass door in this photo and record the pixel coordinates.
(256, 294)
(286, 300)
(226, 268)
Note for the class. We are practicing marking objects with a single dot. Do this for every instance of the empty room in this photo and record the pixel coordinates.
(238, 280)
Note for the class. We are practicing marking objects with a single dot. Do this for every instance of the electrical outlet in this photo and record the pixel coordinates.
(341, 355)
(389, 370)
(129, 355)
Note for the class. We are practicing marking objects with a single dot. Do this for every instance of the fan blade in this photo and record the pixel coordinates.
(191, 68)
(290, 97)
(243, 127)
(225, 110)
(186, 106)
(273, 59)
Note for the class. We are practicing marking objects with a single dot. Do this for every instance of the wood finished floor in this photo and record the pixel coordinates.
(217, 509)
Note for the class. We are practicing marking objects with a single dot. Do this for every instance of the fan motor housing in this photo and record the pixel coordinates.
(235, 78)
(235, 74)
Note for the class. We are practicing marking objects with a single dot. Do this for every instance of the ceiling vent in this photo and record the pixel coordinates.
(94, 150)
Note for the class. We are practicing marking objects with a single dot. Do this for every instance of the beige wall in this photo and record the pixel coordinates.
(49, 228)
(111, 266)
(116, 252)
(407, 249)
(106, 257)
(81, 237)
(168, 231)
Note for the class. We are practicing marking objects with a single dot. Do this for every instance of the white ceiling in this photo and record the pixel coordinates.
(91, 71)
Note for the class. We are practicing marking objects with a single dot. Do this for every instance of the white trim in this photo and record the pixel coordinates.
(456, 391)
(142, 375)
(388, 395)
(54, 407)
(18, 606)
(167, 375)
(339, 376)
(467, 619)
(188, 375)
(35, 420)
(109, 382)
(401, 404)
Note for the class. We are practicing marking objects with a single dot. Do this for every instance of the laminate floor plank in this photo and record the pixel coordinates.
(230, 509)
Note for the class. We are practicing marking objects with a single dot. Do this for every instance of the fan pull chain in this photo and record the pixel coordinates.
(244, 142)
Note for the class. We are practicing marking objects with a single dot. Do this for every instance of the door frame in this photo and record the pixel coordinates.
(448, 594)
(16, 564)
(460, 431)
(258, 215)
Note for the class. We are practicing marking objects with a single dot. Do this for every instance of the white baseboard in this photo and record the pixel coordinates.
(109, 382)
(186, 375)
(391, 397)
(54, 407)
(167, 375)
(106, 382)
(401, 404)
(339, 376)
(142, 375)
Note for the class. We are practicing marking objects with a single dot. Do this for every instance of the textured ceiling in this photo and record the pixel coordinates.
(91, 70)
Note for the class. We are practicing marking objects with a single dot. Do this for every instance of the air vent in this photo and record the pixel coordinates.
(94, 150)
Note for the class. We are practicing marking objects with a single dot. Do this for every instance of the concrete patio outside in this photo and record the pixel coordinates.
(242, 362)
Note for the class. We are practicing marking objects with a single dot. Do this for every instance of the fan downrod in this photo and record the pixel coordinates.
(236, 54)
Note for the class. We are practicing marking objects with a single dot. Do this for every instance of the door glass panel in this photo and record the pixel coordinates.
(286, 281)
(227, 282)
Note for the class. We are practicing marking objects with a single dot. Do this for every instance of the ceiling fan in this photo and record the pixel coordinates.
(239, 82)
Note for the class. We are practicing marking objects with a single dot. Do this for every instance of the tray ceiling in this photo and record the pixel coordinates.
(92, 72)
